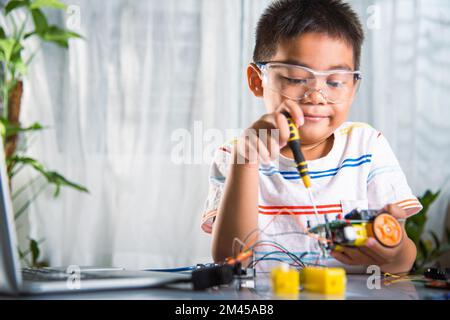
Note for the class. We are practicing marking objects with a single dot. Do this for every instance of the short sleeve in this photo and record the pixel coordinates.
(386, 182)
(217, 175)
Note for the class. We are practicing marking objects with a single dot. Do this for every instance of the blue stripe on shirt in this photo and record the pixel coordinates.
(293, 175)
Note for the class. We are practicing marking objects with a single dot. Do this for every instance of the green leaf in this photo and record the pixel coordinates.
(17, 61)
(25, 160)
(55, 4)
(7, 48)
(12, 5)
(413, 231)
(17, 50)
(52, 177)
(415, 225)
(29, 34)
(59, 180)
(20, 67)
(40, 21)
(427, 199)
(3, 130)
(2, 33)
(35, 252)
(59, 36)
(12, 129)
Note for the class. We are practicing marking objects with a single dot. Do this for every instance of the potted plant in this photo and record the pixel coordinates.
(429, 247)
(16, 30)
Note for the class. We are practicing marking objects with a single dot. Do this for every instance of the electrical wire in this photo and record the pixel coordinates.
(282, 249)
(294, 257)
(246, 249)
(389, 278)
(180, 269)
(304, 231)
(291, 255)
(271, 259)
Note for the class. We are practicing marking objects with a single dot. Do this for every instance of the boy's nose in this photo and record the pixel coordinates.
(314, 96)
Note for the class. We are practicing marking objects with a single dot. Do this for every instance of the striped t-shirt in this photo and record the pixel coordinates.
(360, 171)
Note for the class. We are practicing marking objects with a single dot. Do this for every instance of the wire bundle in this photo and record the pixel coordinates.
(296, 261)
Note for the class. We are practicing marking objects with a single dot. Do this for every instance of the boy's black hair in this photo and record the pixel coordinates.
(286, 19)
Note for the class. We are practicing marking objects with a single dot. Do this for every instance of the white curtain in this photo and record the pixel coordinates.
(148, 68)
(406, 87)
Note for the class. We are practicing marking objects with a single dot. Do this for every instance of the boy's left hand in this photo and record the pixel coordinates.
(374, 253)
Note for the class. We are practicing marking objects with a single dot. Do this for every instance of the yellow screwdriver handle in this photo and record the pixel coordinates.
(295, 144)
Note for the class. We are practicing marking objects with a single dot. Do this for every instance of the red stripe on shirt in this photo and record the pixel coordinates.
(408, 202)
(298, 212)
(301, 207)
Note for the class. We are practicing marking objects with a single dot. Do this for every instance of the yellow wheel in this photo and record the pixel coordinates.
(387, 230)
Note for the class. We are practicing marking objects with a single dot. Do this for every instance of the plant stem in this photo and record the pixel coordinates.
(24, 187)
(27, 204)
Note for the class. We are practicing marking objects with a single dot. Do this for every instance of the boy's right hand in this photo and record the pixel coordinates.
(262, 142)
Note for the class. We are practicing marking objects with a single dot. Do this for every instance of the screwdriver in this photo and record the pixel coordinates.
(294, 144)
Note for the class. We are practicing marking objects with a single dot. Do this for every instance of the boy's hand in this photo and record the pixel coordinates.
(255, 148)
(374, 253)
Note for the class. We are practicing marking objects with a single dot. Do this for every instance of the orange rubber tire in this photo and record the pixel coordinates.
(387, 230)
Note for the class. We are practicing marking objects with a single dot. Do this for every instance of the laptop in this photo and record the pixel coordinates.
(15, 281)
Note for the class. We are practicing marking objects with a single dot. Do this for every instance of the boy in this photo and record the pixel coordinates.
(306, 62)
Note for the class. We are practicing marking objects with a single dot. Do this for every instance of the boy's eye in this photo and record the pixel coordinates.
(294, 81)
(335, 84)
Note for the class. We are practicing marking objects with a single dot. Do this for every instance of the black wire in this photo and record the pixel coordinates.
(274, 259)
(285, 251)
(290, 254)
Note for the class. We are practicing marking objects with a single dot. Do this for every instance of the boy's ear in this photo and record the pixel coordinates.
(254, 80)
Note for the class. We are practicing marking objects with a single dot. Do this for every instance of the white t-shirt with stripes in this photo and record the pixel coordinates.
(360, 171)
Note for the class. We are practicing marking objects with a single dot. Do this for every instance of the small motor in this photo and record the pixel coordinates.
(359, 225)
(362, 224)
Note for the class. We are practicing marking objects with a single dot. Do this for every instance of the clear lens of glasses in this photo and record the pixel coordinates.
(296, 82)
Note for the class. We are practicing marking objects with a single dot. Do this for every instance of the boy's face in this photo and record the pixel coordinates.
(320, 53)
